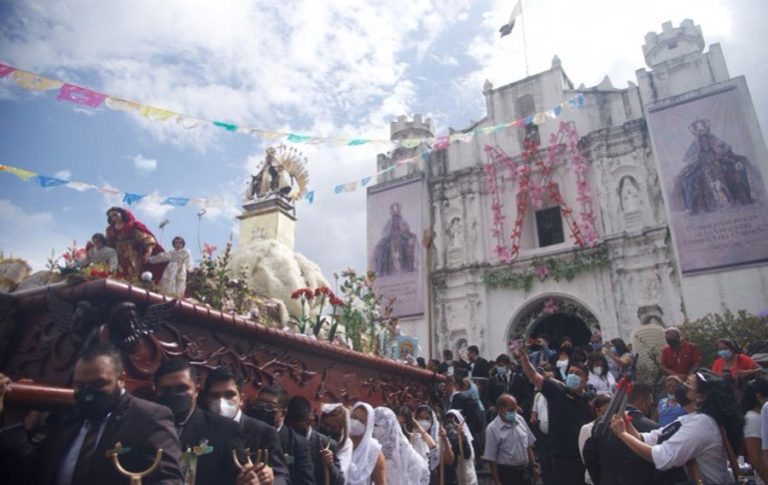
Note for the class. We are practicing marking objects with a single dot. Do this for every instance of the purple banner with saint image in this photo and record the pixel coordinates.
(395, 252)
(711, 176)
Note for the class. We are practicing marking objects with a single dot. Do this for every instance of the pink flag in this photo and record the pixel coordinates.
(78, 95)
(5, 69)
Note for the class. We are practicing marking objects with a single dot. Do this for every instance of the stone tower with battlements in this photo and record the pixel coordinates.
(399, 130)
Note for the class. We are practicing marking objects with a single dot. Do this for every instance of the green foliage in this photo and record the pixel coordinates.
(558, 269)
(742, 327)
(212, 285)
(362, 314)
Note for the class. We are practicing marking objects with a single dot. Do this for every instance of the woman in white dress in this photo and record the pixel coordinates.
(174, 279)
(427, 421)
(460, 423)
(367, 466)
(334, 422)
(754, 399)
(600, 377)
(404, 465)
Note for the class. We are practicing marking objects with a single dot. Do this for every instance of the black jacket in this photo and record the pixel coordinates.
(257, 436)
(223, 434)
(459, 367)
(481, 368)
(317, 442)
(140, 425)
(297, 456)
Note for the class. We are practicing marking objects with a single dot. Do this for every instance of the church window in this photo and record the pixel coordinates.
(549, 226)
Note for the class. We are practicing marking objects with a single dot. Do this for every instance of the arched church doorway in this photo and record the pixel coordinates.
(557, 317)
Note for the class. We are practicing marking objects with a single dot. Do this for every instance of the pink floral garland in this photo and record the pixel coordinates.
(531, 189)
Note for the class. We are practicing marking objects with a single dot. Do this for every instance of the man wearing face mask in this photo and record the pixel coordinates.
(74, 451)
(270, 408)
(323, 448)
(569, 410)
(451, 367)
(679, 357)
(222, 394)
(176, 387)
(509, 446)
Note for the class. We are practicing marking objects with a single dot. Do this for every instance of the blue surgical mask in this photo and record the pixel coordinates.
(502, 371)
(596, 346)
(614, 350)
(725, 353)
(510, 417)
(572, 381)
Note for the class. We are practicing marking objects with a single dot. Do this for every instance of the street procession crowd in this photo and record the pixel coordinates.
(554, 413)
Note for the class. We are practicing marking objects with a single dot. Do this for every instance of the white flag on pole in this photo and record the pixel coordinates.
(506, 29)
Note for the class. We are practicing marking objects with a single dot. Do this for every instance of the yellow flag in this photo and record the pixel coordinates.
(33, 82)
(155, 114)
(20, 172)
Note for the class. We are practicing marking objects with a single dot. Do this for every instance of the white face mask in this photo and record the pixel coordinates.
(356, 428)
(425, 425)
(224, 407)
(598, 370)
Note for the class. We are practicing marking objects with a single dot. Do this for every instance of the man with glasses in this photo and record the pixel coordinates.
(270, 408)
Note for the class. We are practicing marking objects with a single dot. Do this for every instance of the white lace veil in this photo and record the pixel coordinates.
(365, 455)
(344, 453)
(465, 429)
(404, 465)
(434, 432)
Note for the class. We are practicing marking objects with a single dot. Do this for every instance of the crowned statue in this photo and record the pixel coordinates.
(282, 174)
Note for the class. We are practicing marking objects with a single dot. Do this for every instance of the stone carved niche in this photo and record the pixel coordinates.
(630, 203)
(455, 233)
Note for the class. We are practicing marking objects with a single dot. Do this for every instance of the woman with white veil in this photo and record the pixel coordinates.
(334, 422)
(455, 419)
(404, 465)
(427, 419)
(367, 466)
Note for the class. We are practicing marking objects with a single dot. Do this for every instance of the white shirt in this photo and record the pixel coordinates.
(753, 429)
(508, 444)
(699, 438)
(603, 385)
(540, 407)
(764, 425)
(584, 433)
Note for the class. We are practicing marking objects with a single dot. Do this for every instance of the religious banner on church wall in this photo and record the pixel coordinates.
(711, 175)
(395, 252)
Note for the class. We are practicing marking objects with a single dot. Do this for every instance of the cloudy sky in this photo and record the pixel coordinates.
(316, 67)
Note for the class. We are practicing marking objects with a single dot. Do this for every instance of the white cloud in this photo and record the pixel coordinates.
(144, 164)
(31, 235)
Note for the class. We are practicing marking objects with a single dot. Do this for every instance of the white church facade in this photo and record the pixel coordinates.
(648, 264)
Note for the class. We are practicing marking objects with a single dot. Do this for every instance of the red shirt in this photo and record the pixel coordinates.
(743, 362)
(682, 360)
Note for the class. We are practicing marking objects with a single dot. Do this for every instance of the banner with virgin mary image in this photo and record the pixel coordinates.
(395, 252)
(711, 176)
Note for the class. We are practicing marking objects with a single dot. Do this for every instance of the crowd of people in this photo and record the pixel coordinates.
(547, 414)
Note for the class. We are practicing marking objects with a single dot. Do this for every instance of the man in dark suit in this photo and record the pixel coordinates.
(452, 367)
(323, 448)
(74, 452)
(270, 408)
(478, 366)
(208, 435)
(222, 394)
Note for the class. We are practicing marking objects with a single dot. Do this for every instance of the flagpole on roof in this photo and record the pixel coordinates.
(525, 44)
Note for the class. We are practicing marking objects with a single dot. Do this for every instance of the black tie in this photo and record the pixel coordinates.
(86, 453)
